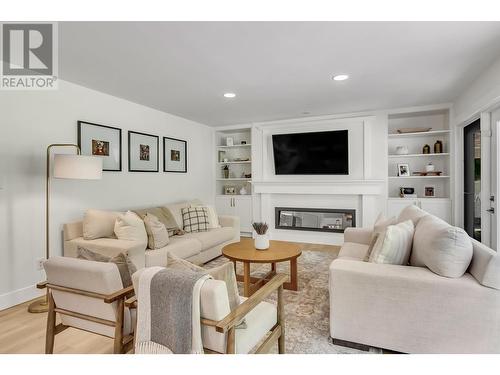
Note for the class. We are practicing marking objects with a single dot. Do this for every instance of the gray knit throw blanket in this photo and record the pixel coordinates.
(168, 314)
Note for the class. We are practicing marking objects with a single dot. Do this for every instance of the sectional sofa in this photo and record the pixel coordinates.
(195, 247)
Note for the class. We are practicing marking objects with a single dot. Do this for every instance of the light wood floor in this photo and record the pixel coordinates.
(22, 332)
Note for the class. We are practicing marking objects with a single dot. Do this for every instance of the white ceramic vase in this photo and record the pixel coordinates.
(261, 242)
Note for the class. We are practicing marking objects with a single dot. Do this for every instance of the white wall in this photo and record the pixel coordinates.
(29, 121)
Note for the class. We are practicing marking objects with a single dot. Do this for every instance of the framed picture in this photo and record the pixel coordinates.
(429, 191)
(103, 141)
(229, 141)
(143, 153)
(174, 155)
(403, 170)
(229, 190)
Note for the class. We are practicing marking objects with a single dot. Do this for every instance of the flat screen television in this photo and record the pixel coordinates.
(317, 153)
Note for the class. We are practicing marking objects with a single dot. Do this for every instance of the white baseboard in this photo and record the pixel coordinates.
(19, 296)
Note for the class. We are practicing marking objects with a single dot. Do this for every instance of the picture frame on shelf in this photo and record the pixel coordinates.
(143, 155)
(103, 141)
(429, 191)
(403, 170)
(229, 141)
(229, 190)
(175, 155)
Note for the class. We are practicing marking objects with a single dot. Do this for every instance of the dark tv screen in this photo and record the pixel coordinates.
(319, 153)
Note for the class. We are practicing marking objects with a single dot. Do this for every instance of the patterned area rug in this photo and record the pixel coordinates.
(307, 310)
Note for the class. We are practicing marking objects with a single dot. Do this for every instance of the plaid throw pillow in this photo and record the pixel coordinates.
(195, 219)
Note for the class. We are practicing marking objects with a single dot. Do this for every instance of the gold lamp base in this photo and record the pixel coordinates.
(39, 306)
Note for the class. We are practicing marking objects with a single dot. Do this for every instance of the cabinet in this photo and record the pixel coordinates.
(436, 206)
(238, 205)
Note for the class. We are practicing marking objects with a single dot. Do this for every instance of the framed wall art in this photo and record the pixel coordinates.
(103, 141)
(174, 155)
(143, 153)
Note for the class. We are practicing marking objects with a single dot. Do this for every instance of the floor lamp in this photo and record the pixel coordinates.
(66, 166)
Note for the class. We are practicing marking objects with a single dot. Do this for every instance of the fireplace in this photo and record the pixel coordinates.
(314, 219)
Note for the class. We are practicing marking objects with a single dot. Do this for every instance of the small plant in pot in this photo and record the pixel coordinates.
(261, 239)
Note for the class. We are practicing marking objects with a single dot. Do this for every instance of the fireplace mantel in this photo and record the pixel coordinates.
(340, 187)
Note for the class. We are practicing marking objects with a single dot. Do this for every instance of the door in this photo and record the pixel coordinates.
(224, 205)
(243, 209)
(493, 208)
(472, 180)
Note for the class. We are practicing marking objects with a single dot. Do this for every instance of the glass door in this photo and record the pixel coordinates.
(472, 179)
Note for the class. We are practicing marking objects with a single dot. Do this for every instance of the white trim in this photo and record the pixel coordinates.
(344, 187)
(19, 296)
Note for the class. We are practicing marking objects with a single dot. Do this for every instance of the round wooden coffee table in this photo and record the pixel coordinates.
(279, 251)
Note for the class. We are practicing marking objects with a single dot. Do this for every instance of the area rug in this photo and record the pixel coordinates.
(307, 310)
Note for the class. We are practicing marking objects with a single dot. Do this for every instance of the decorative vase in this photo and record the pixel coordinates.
(261, 242)
(429, 167)
(402, 150)
(426, 149)
(438, 147)
(243, 191)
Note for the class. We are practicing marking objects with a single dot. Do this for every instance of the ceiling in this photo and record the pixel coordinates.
(278, 70)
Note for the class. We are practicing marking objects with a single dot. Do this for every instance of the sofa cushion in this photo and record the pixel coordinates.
(99, 224)
(394, 245)
(213, 218)
(212, 237)
(176, 212)
(381, 225)
(180, 246)
(157, 232)
(353, 250)
(444, 249)
(412, 213)
(485, 265)
(130, 227)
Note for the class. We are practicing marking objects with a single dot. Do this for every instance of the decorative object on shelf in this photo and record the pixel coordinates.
(226, 160)
(438, 147)
(222, 156)
(143, 152)
(229, 141)
(261, 238)
(403, 170)
(241, 159)
(413, 130)
(66, 166)
(243, 191)
(434, 173)
(225, 171)
(229, 190)
(174, 155)
(429, 191)
(405, 192)
(103, 141)
(243, 142)
(401, 150)
(247, 175)
(430, 167)
(426, 149)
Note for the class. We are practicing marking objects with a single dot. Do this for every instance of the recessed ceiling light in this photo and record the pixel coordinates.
(229, 95)
(340, 77)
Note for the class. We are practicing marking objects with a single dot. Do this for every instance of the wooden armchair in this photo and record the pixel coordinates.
(89, 296)
(219, 333)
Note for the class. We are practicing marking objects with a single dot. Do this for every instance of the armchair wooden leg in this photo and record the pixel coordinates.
(281, 321)
(230, 347)
(118, 344)
(51, 326)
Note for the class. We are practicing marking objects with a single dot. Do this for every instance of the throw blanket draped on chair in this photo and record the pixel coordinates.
(168, 314)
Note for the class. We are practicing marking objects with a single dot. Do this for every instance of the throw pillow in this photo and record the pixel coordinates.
(125, 266)
(381, 224)
(370, 247)
(157, 233)
(195, 219)
(99, 224)
(213, 218)
(412, 213)
(444, 249)
(163, 215)
(130, 227)
(394, 245)
(175, 210)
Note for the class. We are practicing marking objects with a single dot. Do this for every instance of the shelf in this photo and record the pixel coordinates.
(235, 162)
(419, 198)
(235, 146)
(395, 156)
(419, 134)
(234, 179)
(407, 177)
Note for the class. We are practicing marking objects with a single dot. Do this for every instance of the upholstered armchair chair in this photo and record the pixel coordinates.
(218, 323)
(90, 296)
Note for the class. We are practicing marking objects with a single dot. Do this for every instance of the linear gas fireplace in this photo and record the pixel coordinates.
(314, 219)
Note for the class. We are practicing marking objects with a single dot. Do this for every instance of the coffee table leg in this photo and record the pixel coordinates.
(273, 267)
(293, 274)
(246, 279)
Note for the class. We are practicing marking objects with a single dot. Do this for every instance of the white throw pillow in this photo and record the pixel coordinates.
(157, 233)
(99, 224)
(444, 249)
(130, 227)
(381, 225)
(394, 245)
(213, 218)
(176, 211)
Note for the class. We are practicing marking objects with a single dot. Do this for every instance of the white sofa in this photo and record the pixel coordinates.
(411, 309)
(195, 247)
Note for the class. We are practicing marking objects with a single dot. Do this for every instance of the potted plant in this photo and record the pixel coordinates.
(261, 239)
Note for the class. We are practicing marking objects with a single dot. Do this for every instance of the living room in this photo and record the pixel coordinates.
(297, 187)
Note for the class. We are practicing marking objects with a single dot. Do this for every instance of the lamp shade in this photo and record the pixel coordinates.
(78, 167)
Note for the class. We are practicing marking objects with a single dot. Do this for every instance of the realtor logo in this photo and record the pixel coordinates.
(29, 56)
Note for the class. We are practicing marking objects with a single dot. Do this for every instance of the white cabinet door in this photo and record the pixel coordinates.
(243, 206)
(395, 206)
(224, 206)
(437, 207)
